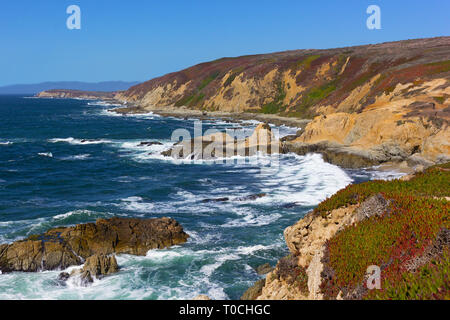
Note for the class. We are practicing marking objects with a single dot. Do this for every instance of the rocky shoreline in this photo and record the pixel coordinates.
(388, 156)
(307, 272)
(91, 244)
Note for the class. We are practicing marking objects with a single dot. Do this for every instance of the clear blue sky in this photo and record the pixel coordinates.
(139, 40)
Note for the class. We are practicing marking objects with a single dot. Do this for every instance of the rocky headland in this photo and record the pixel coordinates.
(77, 94)
(400, 226)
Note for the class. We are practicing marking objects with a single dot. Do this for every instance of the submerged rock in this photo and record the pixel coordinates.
(63, 276)
(215, 200)
(149, 143)
(246, 198)
(252, 197)
(62, 247)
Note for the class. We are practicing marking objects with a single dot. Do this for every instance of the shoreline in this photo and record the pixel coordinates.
(183, 112)
(336, 157)
(340, 155)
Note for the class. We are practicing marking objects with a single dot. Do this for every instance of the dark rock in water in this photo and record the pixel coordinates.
(290, 205)
(264, 269)
(246, 198)
(62, 247)
(254, 291)
(63, 276)
(289, 138)
(252, 197)
(215, 200)
(149, 143)
(86, 278)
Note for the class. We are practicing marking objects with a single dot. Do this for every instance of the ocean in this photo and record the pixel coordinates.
(65, 162)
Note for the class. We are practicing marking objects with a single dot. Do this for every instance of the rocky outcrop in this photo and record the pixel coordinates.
(62, 247)
(264, 269)
(306, 242)
(395, 128)
(220, 145)
(254, 291)
(95, 267)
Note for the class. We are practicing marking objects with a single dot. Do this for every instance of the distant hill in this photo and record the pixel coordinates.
(107, 86)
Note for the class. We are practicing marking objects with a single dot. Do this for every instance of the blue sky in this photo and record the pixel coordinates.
(139, 40)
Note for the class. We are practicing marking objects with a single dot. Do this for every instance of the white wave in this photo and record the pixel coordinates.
(74, 141)
(77, 157)
(109, 113)
(104, 104)
(252, 122)
(88, 213)
(46, 154)
(143, 153)
(383, 175)
(146, 116)
(6, 143)
(136, 204)
(283, 131)
(305, 180)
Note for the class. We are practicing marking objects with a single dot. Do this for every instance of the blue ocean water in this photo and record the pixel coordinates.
(64, 162)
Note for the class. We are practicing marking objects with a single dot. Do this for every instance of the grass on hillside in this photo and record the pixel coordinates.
(276, 106)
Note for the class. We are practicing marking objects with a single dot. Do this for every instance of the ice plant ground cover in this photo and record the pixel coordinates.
(409, 241)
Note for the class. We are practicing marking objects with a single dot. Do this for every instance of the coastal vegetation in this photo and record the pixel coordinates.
(409, 240)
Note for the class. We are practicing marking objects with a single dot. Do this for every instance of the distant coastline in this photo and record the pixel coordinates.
(107, 86)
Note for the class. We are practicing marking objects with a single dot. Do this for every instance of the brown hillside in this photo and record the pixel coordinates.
(302, 83)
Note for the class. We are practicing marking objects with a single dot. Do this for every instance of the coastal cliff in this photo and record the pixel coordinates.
(367, 105)
(401, 226)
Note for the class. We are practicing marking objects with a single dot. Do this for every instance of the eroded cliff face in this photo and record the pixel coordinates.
(306, 240)
(415, 124)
